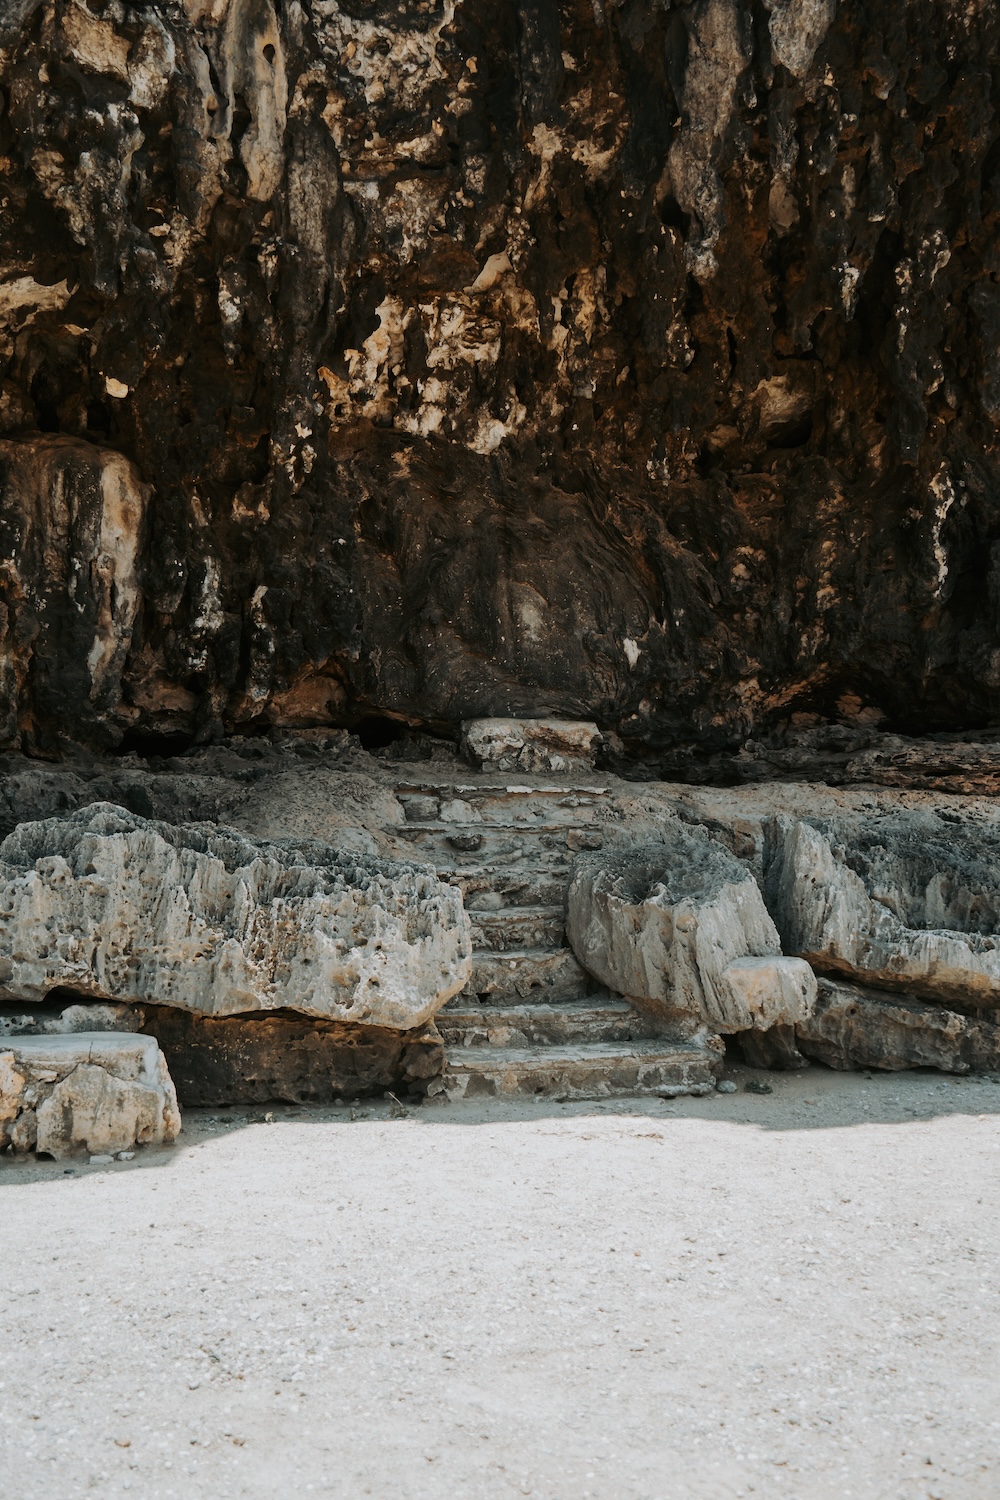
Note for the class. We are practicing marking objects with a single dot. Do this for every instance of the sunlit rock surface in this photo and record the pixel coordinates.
(907, 900)
(683, 924)
(116, 907)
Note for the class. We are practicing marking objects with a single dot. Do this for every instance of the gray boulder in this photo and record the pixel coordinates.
(683, 924)
(116, 907)
(530, 745)
(907, 901)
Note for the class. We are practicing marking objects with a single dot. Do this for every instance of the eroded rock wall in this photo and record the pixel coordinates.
(630, 361)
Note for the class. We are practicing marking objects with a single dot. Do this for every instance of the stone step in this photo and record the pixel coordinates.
(596, 1071)
(549, 974)
(498, 887)
(600, 1019)
(434, 840)
(499, 803)
(519, 927)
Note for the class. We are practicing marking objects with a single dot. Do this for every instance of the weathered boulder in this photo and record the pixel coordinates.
(88, 1092)
(530, 744)
(683, 924)
(853, 1027)
(908, 900)
(120, 908)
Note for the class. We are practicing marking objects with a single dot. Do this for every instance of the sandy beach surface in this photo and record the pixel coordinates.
(789, 1294)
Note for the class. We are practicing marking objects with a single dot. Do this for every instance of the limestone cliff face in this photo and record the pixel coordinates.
(632, 360)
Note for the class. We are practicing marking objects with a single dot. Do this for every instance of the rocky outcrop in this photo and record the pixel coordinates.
(87, 1092)
(634, 363)
(682, 924)
(908, 901)
(118, 907)
(530, 745)
(853, 1027)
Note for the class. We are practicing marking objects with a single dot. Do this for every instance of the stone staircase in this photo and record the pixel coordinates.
(531, 1021)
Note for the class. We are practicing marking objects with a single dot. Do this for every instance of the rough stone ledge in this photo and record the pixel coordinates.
(117, 907)
(906, 901)
(853, 1027)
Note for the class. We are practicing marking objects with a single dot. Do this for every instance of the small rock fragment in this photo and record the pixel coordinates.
(725, 1086)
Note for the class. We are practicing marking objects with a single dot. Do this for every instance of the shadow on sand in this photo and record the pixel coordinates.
(815, 1099)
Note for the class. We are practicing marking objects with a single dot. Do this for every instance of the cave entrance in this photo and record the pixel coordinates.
(377, 731)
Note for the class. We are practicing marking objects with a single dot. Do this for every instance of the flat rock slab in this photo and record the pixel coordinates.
(908, 900)
(530, 745)
(91, 1092)
(600, 1071)
(853, 1027)
(117, 907)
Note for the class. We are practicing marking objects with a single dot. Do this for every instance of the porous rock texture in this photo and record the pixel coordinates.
(530, 744)
(905, 901)
(117, 907)
(633, 362)
(682, 924)
(90, 1091)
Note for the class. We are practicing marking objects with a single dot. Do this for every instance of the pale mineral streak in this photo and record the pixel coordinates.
(90, 1091)
(116, 907)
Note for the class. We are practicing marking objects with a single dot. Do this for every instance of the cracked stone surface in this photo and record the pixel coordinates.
(633, 363)
(905, 901)
(116, 907)
(90, 1091)
(683, 924)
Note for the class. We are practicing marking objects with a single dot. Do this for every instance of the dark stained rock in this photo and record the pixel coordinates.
(775, 1048)
(634, 363)
(253, 1059)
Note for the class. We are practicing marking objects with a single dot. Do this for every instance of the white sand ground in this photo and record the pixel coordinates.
(789, 1295)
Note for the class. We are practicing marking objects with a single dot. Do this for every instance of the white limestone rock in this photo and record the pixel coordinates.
(530, 745)
(116, 907)
(50, 1021)
(908, 901)
(683, 924)
(90, 1092)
